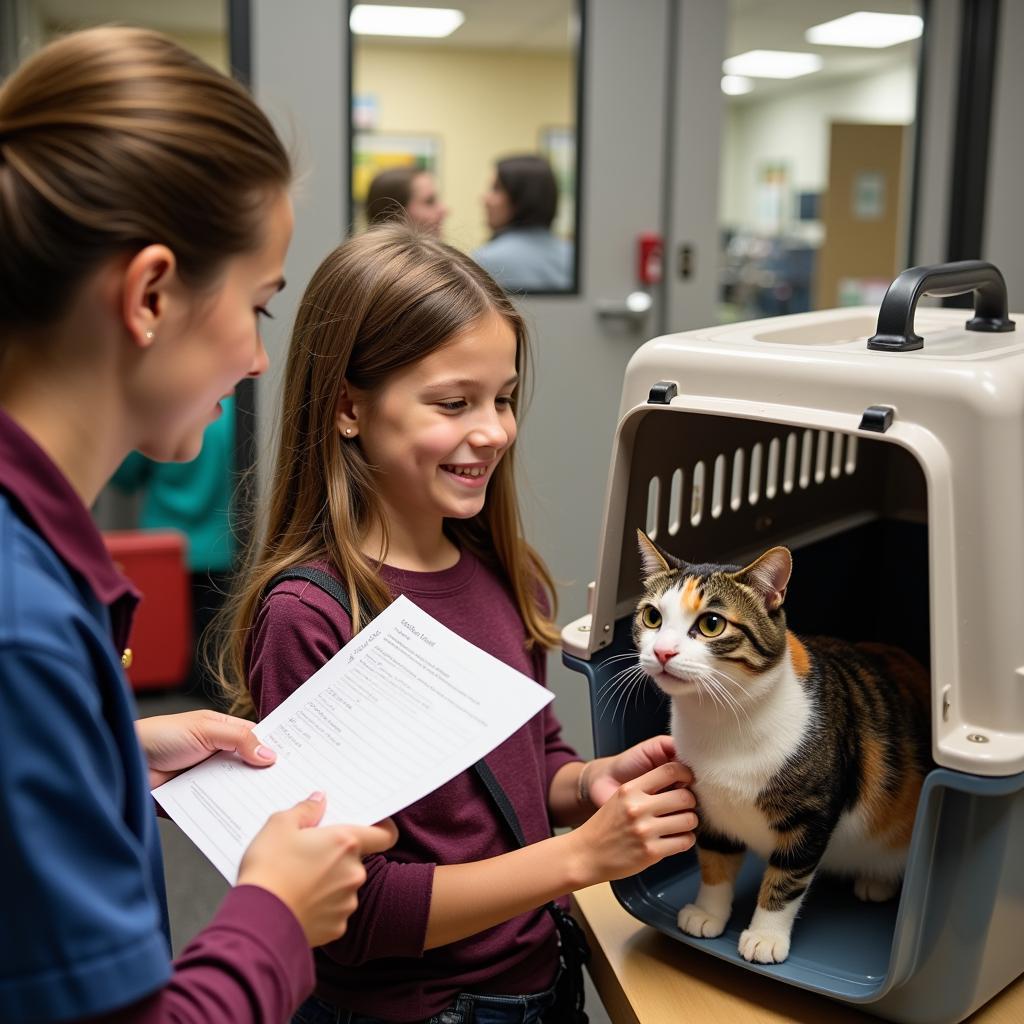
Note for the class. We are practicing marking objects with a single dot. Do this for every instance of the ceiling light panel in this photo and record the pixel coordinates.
(772, 64)
(866, 29)
(736, 85)
(421, 22)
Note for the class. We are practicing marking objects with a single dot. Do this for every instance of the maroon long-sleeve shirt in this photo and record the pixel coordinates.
(380, 967)
(82, 927)
(250, 963)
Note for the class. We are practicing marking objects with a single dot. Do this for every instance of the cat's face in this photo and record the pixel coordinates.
(710, 630)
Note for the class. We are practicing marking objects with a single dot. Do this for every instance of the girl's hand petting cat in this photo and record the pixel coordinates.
(603, 776)
(644, 820)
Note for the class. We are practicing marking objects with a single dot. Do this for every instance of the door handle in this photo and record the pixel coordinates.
(632, 310)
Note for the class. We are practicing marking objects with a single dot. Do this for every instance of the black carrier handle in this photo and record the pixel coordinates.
(895, 331)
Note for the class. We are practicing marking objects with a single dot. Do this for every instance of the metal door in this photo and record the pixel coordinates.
(651, 114)
(650, 149)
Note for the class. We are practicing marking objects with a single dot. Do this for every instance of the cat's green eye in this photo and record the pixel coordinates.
(711, 625)
(650, 617)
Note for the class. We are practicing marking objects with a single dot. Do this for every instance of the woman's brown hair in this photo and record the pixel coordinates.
(530, 185)
(389, 194)
(377, 303)
(112, 139)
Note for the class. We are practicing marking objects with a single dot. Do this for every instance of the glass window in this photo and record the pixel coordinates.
(816, 165)
(197, 25)
(471, 135)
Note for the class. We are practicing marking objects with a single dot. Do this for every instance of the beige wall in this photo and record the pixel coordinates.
(211, 47)
(793, 129)
(481, 104)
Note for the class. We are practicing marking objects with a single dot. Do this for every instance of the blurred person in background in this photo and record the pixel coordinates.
(520, 206)
(194, 498)
(406, 194)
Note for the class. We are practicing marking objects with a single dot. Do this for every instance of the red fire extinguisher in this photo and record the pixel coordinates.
(649, 258)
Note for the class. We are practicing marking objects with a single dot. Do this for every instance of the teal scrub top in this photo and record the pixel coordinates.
(193, 497)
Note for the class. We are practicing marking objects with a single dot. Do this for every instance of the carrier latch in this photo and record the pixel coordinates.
(663, 392)
(877, 418)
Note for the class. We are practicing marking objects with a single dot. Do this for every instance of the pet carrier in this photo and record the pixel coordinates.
(891, 463)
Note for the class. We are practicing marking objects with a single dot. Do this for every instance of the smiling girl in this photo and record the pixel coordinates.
(395, 475)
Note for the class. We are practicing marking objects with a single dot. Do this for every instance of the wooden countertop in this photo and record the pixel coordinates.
(644, 977)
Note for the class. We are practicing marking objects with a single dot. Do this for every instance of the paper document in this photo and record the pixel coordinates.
(397, 712)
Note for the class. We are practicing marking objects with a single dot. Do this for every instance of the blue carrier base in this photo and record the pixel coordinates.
(948, 944)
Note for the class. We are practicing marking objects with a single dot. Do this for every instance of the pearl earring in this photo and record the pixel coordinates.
(149, 335)
(348, 431)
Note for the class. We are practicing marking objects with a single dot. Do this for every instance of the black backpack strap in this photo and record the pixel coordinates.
(500, 797)
(324, 580)
(573, 949)
(574, 952)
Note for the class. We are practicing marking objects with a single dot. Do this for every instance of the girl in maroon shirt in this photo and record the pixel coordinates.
(395, 474)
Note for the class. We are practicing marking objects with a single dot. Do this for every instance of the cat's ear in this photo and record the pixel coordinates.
(769, 576)
(651, 556)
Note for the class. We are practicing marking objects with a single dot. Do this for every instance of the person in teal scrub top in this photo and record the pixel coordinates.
(194, 497)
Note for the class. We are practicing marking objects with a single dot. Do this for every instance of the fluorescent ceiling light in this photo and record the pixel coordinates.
(772, 64)
(866, 28)
(736, 85)
(425, 22)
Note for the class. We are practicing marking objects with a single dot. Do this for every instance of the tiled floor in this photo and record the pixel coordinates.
(194, 888)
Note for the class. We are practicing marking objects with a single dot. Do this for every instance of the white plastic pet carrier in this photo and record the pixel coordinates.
(892, 464)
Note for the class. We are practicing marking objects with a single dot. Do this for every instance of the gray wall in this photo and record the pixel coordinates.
(300, 77)
(1004, 214)
(941, 60)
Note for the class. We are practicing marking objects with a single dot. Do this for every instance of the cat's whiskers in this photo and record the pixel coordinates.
(621, 657)
(621, 685)
(729, 700)
(636, 686)
(623, 696)
(613, 680)
(725, 675)
(719, 676)
(708, 681)
(713, 690)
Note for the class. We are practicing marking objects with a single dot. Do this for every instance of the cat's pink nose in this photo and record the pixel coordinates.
(664, 653)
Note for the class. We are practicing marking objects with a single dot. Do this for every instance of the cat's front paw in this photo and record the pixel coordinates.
(874, 890)
(764, 946)
(699, 923)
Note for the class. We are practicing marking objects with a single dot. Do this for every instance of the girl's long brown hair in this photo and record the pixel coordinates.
(379, 302)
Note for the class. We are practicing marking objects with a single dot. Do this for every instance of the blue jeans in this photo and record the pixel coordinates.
(467, 1009)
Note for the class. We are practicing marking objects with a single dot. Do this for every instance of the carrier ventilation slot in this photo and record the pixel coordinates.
(653, 500)
(718, 487)
(771, 480)
(754, 488)
(806, 458)
(675, 503)
(697, 495)
(736, 497)
(822, 456)
(821, 463)
(789, 473)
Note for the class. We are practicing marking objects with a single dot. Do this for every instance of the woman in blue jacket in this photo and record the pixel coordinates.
(144, 219)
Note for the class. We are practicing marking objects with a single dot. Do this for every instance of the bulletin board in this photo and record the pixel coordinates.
(373, 152)
(558, 147)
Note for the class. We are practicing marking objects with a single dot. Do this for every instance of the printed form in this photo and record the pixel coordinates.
(397, 712)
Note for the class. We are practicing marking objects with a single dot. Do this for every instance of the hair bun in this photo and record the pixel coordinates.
(129, 139)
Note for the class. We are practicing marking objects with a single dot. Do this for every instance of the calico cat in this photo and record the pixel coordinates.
(810, 752)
